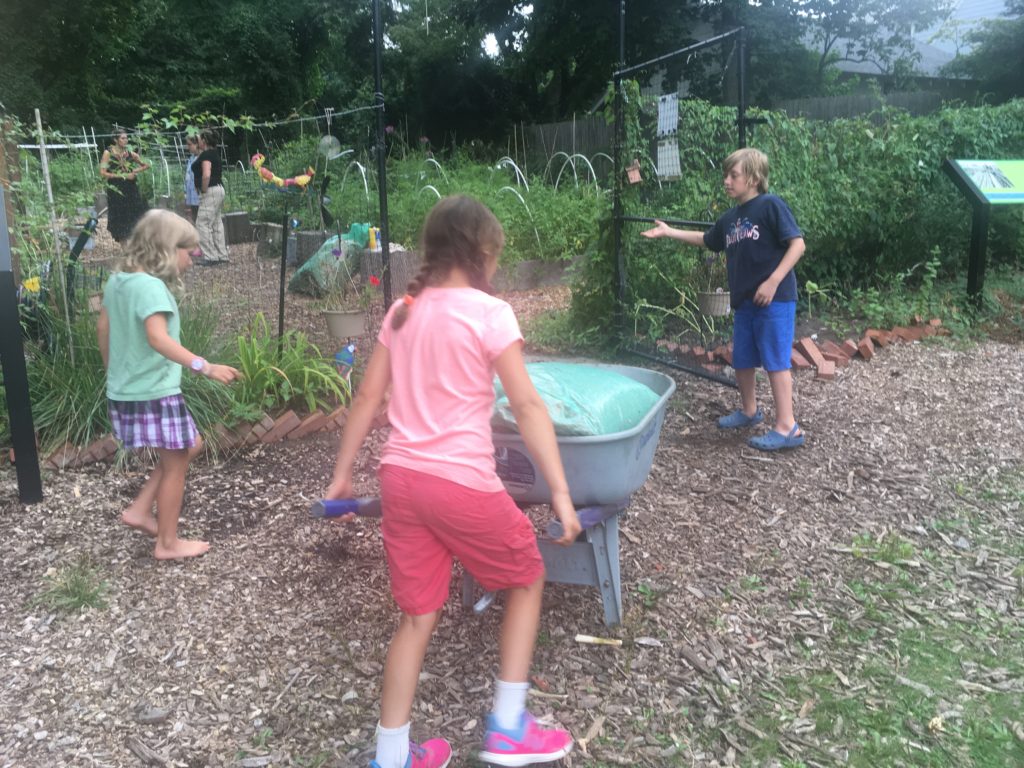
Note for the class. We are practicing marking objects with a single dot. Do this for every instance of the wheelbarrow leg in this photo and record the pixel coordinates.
(467, 590)
(604, 539)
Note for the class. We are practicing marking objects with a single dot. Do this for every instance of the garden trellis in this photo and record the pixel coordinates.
(668, 160)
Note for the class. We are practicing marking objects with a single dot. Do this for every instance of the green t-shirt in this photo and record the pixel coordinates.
(135, 370)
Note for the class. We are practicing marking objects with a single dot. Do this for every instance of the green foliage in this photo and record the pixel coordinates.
(68, 383)
(209, 401)
(73, 588)
(876, 31)
(911, 293)
(284, 372)
(79, 60)
(540, 222)
(884, 225)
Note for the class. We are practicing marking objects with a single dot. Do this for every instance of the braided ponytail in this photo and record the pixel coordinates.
(459, 231)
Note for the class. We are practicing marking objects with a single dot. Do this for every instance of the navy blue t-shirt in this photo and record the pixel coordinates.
(754, 236)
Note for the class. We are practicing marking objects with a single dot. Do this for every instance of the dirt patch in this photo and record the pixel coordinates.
(272, 645)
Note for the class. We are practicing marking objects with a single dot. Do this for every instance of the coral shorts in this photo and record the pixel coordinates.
(428, 521)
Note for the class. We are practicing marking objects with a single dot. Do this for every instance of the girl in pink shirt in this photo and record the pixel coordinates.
(438, 351)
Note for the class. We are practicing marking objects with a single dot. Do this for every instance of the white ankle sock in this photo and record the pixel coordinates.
(392, 746)
(509, 703)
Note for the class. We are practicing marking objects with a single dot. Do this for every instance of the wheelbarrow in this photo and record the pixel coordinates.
(602, 472)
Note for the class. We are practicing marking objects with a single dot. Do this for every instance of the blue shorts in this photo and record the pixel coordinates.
(763, 336)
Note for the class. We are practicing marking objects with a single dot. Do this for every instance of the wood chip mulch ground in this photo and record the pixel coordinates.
(269, 649)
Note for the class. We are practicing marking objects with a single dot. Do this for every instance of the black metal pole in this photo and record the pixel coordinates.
(698, 372)
(741, 118)
(979, 242)
(624, 71)
(12, 360)
(620, 261)
(382, 165)
(979, 227)
(284, 267)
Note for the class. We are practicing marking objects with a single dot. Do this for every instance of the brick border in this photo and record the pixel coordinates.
(824, 359)
(288, 425)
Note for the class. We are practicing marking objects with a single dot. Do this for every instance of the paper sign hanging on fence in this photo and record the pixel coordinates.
(668, 115)
(668, 159)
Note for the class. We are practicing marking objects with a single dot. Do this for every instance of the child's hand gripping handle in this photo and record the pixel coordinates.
(589, 517)
(365, 506)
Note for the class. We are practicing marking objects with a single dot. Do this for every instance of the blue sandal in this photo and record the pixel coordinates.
(738, 419)
(776, 441)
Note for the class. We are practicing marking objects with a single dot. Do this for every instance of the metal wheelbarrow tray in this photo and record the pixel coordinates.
(602, 472)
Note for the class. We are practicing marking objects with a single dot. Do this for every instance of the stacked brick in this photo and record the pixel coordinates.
(824, 358)
(287, 426)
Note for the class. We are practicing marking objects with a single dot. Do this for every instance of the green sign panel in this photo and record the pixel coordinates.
(1000, 182)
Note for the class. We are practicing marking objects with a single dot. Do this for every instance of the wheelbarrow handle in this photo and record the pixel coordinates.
(589, 517)
(365, 506)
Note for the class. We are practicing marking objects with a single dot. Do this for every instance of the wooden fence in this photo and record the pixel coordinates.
(586, 135)
(853, 105)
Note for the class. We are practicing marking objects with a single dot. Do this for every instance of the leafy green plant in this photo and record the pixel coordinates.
(289, 371)
(710, 272)
(815, 292)
(73, 588)
(68, 383)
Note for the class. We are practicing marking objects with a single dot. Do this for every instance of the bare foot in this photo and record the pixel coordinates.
(181, 549)
(140, 520)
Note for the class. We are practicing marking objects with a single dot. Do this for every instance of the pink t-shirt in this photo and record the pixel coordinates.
(442, 390)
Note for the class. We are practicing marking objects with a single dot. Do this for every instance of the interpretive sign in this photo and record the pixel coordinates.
(985, 183)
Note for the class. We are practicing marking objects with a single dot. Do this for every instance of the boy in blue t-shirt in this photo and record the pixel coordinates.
(762, 244)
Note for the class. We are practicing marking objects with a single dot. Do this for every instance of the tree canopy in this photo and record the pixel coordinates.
(997, 59)
(94, 62)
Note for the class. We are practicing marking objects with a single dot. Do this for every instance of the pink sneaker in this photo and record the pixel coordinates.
(526, 745)
(436, 753)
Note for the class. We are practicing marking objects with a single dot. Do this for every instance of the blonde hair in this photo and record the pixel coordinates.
(753, 164)
(154, 243)
(459, 231)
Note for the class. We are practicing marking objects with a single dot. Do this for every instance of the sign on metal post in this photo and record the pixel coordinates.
(985, 183)
(12, 359)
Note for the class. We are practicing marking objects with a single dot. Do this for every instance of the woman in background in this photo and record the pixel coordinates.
(211, 200)
(119, 167)
(191, 191)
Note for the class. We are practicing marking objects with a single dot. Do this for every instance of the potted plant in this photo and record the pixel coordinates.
(345, 302)
(713, 285)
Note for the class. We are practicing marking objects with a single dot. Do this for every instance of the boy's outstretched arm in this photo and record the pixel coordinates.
(539, 435)
(766, 290)
(688, 236)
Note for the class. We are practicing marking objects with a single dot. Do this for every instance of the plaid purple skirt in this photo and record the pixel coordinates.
(162, 423)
